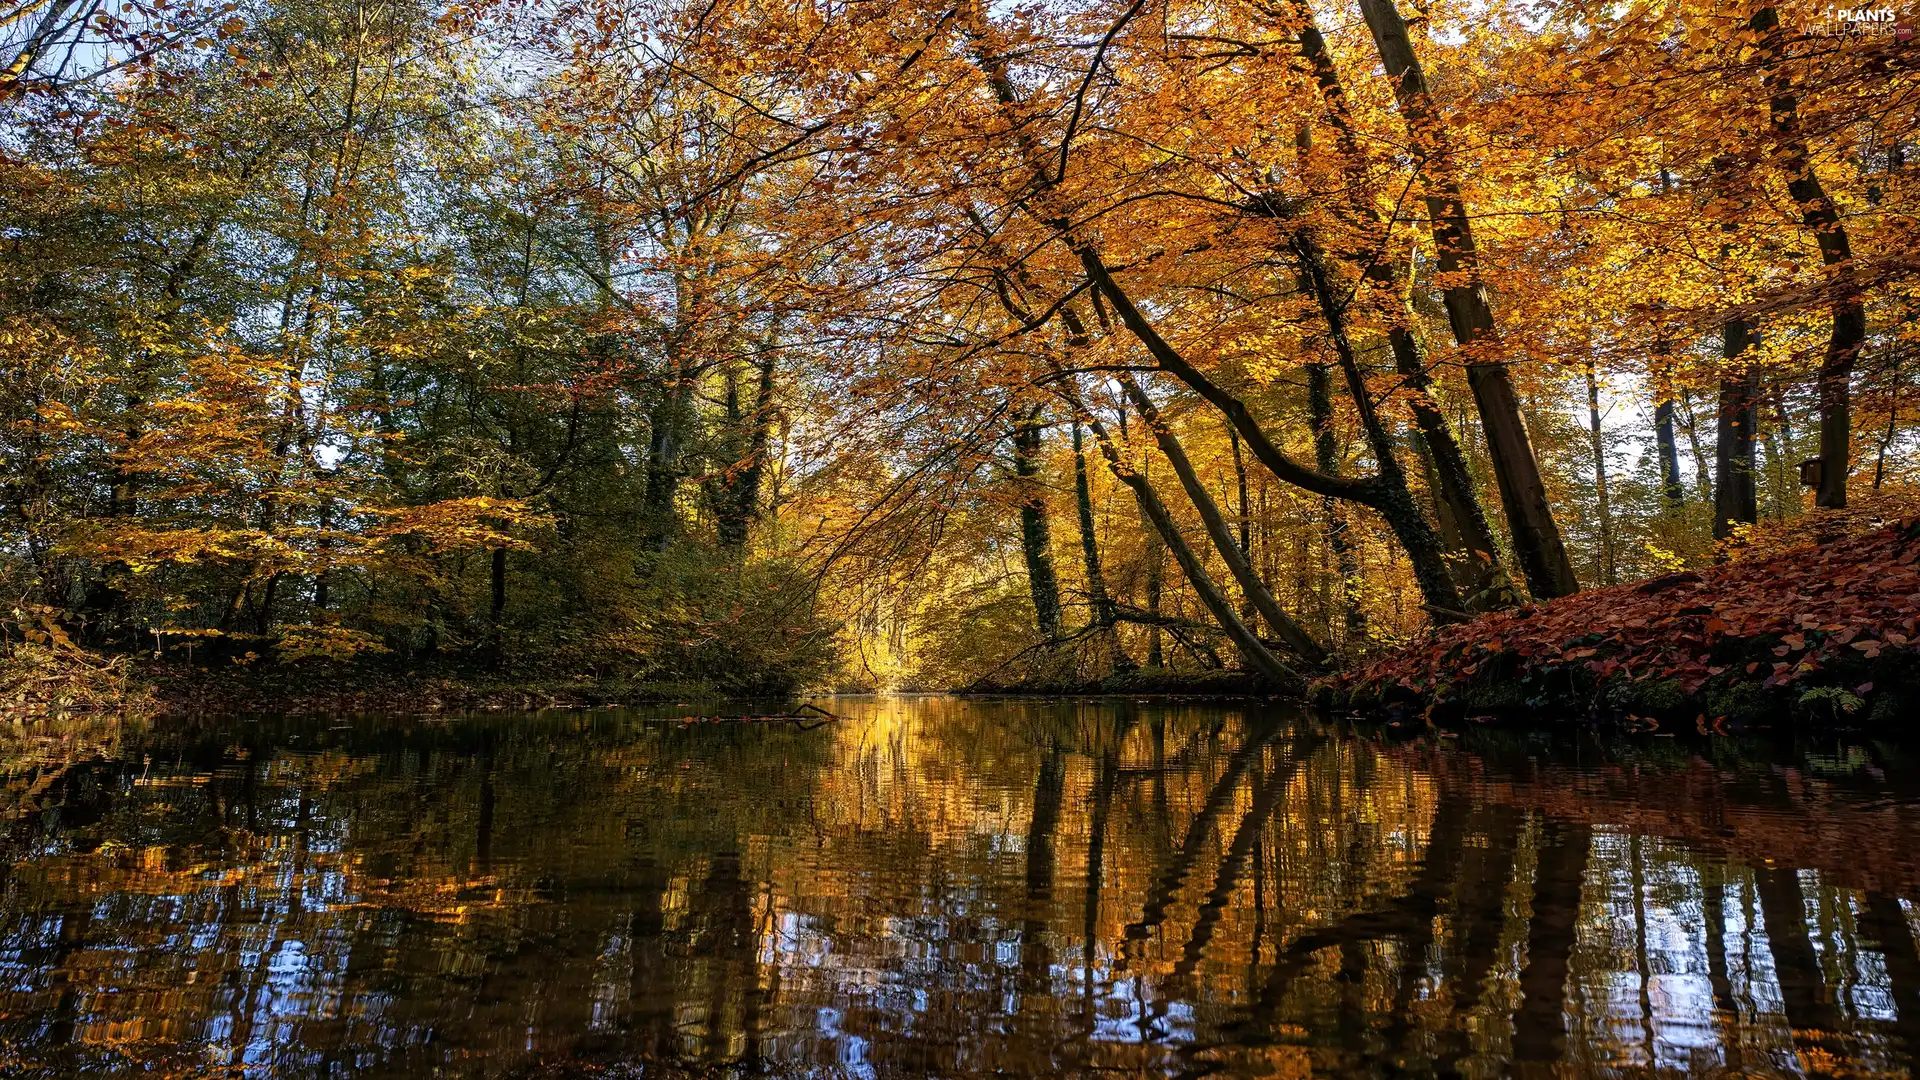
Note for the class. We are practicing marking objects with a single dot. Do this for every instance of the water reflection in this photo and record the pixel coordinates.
(950, 887)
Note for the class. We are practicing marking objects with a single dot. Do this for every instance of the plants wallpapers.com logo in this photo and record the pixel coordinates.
(1861, 22)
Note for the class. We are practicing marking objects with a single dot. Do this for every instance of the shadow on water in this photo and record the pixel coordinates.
(946, 887)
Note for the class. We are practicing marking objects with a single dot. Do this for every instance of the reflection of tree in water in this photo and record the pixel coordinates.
(949, 887)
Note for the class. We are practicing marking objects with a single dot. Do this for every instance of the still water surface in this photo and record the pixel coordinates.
(943, 887)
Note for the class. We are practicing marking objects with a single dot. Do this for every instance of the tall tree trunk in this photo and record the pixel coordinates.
(1735, 500)
(1848, 329)
(1327, 458)
(1283, 625)
(1536, 536)
(497, 578)
(1671, 488)
(1690, 423)
(1785, 482)
(1036, 541)
(664, 441)
(1609, 557)
(1097, 596)
(1155, 557)
(1245, 523)
(1463, 521)
(737, 501)
(1893, 421)
(1156, 587)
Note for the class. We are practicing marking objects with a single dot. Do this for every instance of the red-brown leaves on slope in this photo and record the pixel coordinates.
(1855, 598)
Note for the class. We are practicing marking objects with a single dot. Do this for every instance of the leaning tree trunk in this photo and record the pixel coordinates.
(1244, 523)
(1735, 500)
(1156, 572)
(1392, 498)
(1386, 496)
(1402, 516)
(1035, 537)
(1283, 625)
(1536, 536)
(1818, 216)
(1252, 649)
(1463, 520)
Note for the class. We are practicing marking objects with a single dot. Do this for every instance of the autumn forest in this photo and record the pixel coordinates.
(922, 345)
(599, 539)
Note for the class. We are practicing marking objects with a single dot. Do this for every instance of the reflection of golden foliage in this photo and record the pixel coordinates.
(454, 902)
(35, 751)
(1285, 1062)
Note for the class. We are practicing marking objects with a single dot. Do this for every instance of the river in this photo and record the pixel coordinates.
(950, 887)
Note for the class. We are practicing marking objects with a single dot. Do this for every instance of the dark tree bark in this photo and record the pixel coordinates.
(1463, 521)
(497, 575)
(1848, 330)
(1893, 413)
(1391, 497)
(664, 440)
(1255, 652)
(1671, 488)
(1536, 536)
(1156, 588)
(736, 501)
(1244, 523)
(1381, 492)
(1036, 542)
(1735, 499)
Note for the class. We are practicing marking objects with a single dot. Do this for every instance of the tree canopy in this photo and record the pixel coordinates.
(929, 343)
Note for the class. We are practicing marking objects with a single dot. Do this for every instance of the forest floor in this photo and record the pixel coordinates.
(1813, 633)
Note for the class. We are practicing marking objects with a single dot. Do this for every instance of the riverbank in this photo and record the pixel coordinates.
(42, 679)
(1154, 682)
(1819, 633)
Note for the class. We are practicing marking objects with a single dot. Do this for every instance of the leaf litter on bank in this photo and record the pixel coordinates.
(1791, 619)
